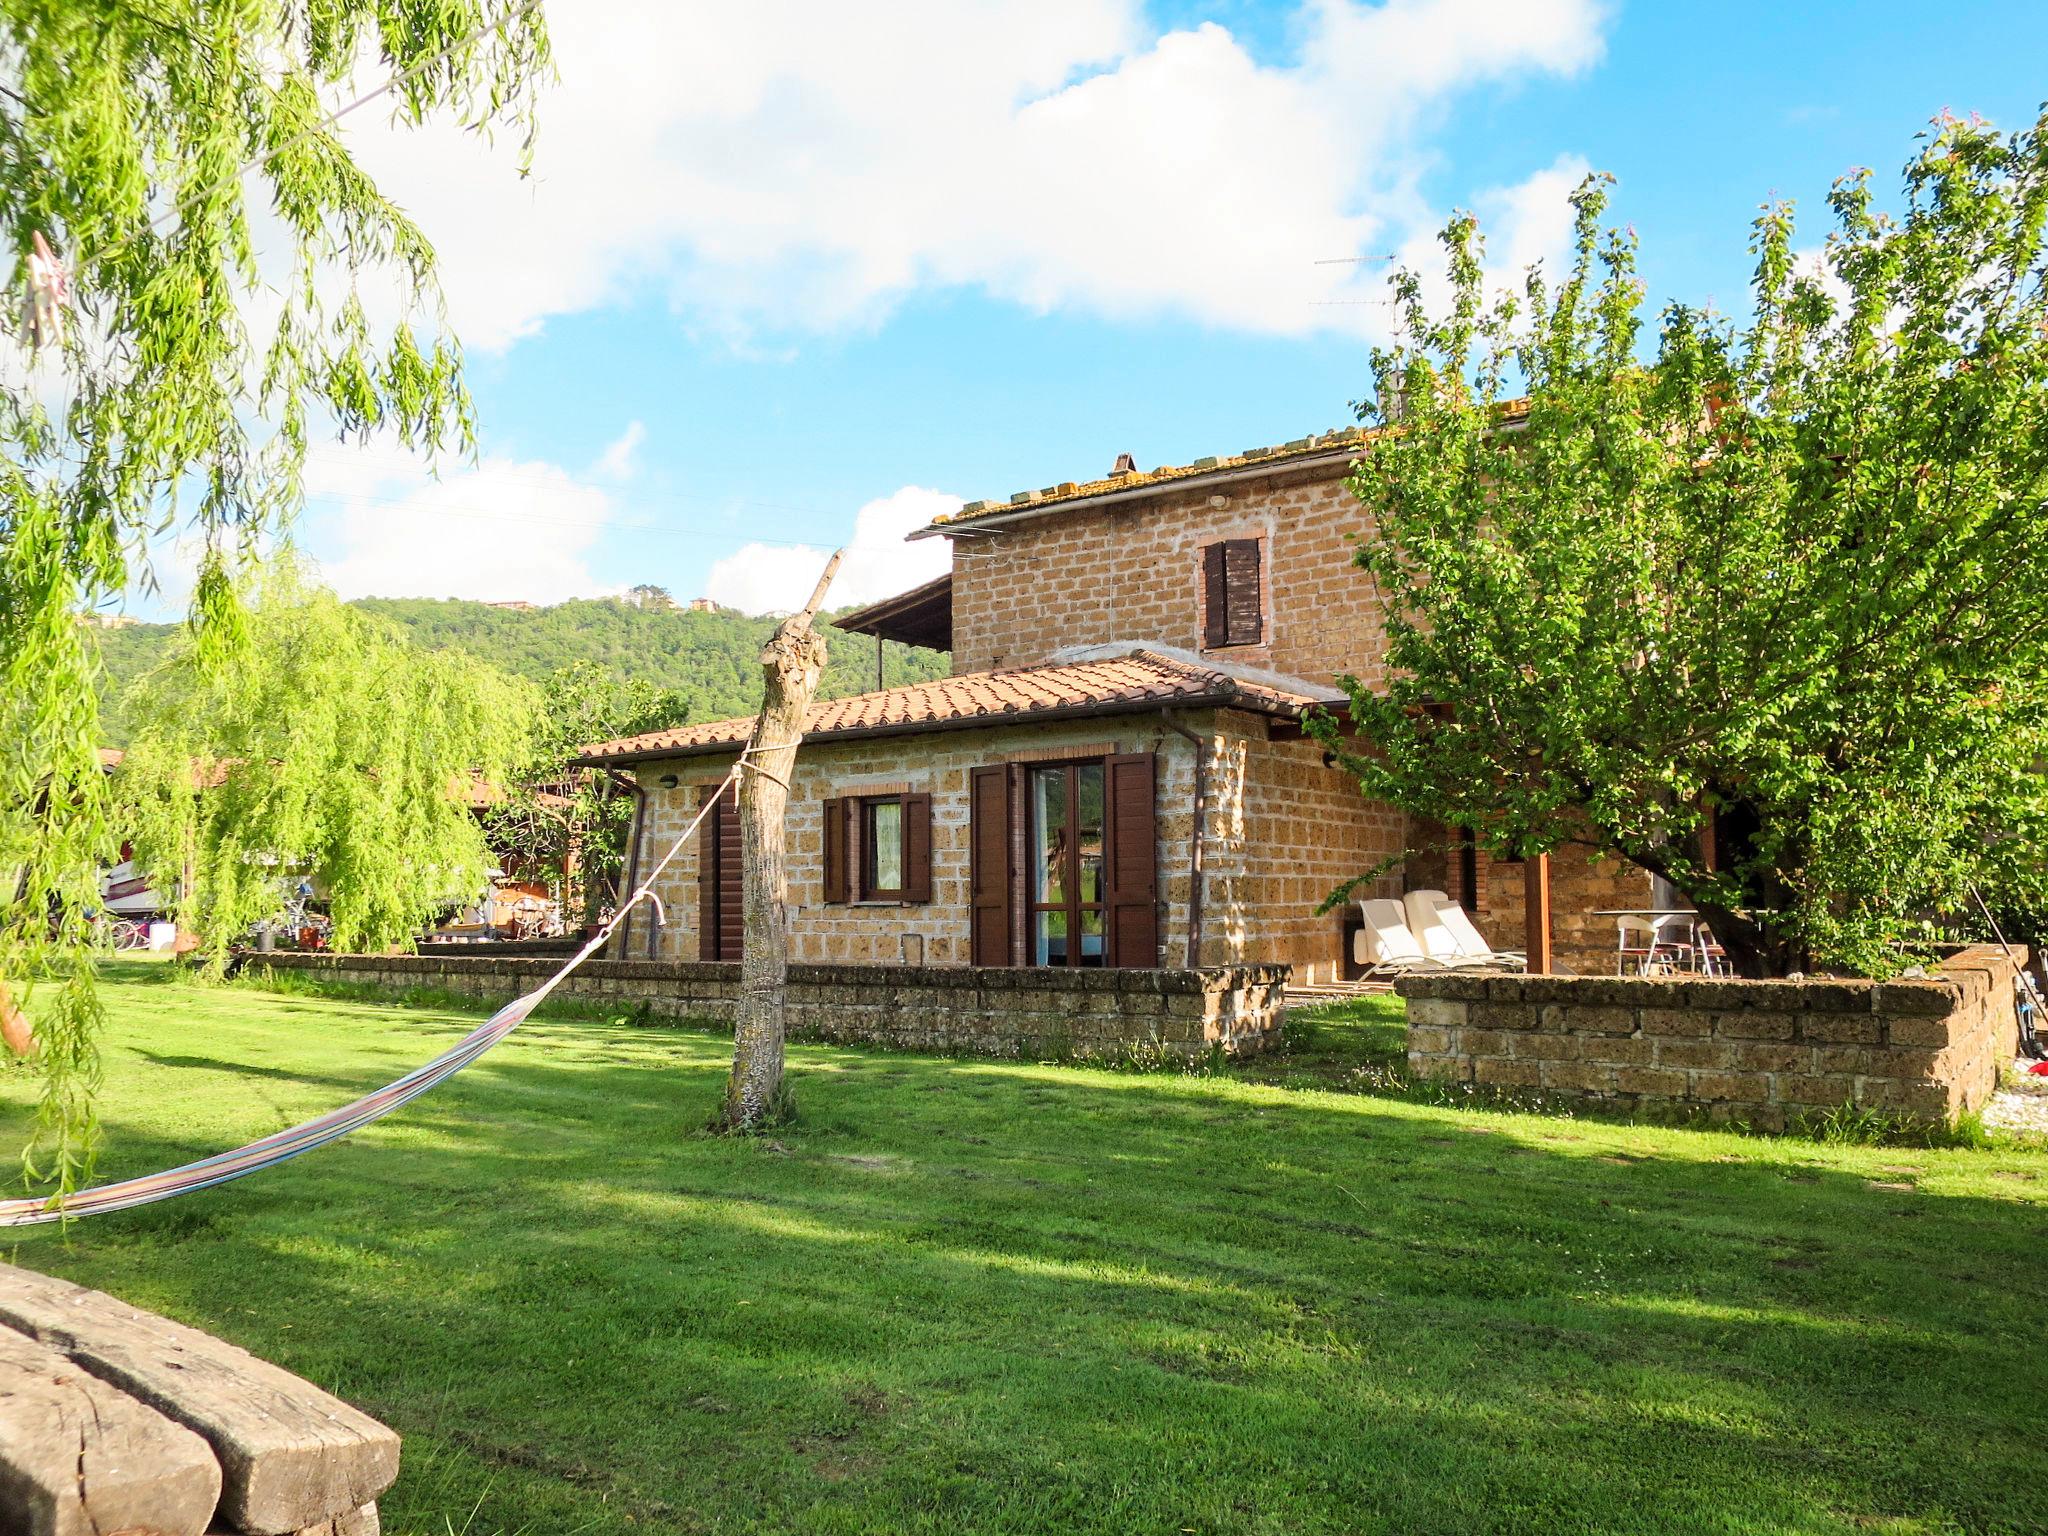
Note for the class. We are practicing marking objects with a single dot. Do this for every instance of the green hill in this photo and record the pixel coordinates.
(710, 657)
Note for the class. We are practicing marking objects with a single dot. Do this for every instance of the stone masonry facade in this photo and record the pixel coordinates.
(1134, 572)
(1108, 1014)
(1281, 830)
(1764, 1053)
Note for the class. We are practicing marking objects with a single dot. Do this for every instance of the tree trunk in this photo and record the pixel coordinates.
(791, 663)
(1754, 952)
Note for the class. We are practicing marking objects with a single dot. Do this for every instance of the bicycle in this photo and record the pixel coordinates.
(300, 927)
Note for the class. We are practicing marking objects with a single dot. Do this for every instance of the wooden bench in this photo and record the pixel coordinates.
(116, 1420)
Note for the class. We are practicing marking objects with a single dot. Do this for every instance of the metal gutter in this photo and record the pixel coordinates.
(1196, 835)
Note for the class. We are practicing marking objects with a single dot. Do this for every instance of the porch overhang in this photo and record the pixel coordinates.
(923, 616)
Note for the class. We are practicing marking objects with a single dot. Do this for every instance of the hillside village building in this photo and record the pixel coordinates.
(1116, 773)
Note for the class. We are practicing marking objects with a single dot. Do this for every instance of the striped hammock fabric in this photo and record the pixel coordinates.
(281, 1146)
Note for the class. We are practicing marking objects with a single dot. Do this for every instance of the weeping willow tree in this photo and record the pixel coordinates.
(172, 365)
(331, 749)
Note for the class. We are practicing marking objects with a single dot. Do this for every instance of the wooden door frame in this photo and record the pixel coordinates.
(1073, 907)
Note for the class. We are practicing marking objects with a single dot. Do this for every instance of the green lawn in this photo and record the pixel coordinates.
(971, 1295)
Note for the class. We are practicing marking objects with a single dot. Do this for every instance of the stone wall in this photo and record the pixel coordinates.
(935, 763)
(1134, 571)
(1760, 1052)
(1281, 831)
(1284, 831)
(1581, 883)
(976, 1011)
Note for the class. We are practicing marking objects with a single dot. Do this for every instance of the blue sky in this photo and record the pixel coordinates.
(782, 267)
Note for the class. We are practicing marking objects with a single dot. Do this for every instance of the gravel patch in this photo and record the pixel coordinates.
(2020, 1105)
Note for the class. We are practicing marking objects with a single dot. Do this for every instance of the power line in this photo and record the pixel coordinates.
(659, 530)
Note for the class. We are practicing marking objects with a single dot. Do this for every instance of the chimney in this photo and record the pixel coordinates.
(1125, 465)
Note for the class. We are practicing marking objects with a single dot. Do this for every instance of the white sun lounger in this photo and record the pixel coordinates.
(1385, 945)
(1446, 933)
(1427, 924)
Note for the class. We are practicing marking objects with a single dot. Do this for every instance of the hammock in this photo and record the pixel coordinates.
(281, 1146)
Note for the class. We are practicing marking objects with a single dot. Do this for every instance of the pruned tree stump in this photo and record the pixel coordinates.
(115, 1419)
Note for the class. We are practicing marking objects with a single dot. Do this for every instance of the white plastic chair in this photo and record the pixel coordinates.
(1641, 944)
(1711, 959)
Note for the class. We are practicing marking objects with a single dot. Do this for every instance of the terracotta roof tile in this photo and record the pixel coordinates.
(1134, 681)
(1165, 475)
(1054, 495)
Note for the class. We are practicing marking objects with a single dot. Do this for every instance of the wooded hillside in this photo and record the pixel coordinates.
(710, 657)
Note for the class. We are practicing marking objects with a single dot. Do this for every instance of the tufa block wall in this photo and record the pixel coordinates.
(1581, 883)
(1022, 1011)
(1759, 1052)
(1283, 832)
(1135, 573)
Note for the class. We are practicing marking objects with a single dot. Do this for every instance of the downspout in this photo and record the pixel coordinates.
(1195, 838)
(639, 795)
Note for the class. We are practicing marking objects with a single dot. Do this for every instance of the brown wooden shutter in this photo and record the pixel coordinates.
(835, 850)
(1133, 894)
(917, 847)
(1244, 615)
(732, 887)
(1215, 597)
(989, 865)
(708, 903)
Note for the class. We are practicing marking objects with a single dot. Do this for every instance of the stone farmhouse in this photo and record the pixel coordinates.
(1115, 774)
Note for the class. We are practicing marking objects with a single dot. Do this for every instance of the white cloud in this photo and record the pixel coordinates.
(380, 525)
(1524, 224)
(621, 456)
(766, 578)
(781, 166)
(1532, 220)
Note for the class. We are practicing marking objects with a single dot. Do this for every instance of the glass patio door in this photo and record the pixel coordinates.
(1066, 869)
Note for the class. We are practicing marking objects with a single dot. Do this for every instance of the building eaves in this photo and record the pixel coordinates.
(1137, 680)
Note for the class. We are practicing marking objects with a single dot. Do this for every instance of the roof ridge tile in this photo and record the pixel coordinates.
(1274, 458)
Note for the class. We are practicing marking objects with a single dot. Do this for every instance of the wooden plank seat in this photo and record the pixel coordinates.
(281, 1457)
(79, 1457)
